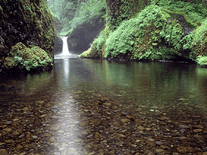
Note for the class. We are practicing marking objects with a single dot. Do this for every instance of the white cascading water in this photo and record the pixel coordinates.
(65, 50)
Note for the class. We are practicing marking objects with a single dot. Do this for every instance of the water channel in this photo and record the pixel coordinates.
(86, 106)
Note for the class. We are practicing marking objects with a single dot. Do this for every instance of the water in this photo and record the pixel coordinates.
(65, 50)
(97, 106)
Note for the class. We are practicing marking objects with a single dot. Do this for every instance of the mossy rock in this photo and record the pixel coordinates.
(27, 59)
(97, 48)
(29, 22)
(199, 45)
(153, 34)
(202, 61)
(92, 52)
(161, 31)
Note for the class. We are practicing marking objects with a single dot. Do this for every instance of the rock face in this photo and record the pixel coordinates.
(80, 38)
(58, 40)
(28, 59)
(199, 45)
(26, 21)
(155, 31)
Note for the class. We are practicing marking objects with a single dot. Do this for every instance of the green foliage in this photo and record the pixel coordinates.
(159, 53)
(186, 42)
(28, 58)
(71, 14)
(163, 30)
(97, 46)
(199, 43)
(100, 41)
(140, 37)
(202, 60)
(194, 12)
(121, 10)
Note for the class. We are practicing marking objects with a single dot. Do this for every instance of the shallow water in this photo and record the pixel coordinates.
(88, 106)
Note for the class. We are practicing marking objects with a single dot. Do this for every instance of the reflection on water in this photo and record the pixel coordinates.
(95, 107)
(66, 68)
(149, 84)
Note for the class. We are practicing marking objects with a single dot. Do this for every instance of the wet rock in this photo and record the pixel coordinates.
(107, 104)
(7, 129)
(8, 141)
(159, 142)
(46, 135)
(183, 149)
(47, 105)
(16, 133)
(124, 113)
(141, 128)
(121, 135)
(163, 118)
(55, 127)
(197, 130)
(39, 102)
(150, 153)
(187, 122)
(184, 126)
(125, 120)
(198, 126)
(159, 150)
(34, 137)
(19, 147)
(52, 139)
(88, 146)
(114, 108)
(7, 122)
(3, 152)
(25, 109)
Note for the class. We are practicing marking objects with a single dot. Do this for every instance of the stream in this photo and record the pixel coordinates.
(103, 107)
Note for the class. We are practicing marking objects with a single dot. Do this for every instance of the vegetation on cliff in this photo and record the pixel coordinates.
(162, 30)
(73, 13)
(28, 22)
(199, 45)
(27, 59)
(80, 20)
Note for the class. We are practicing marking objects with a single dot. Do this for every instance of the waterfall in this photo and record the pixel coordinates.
(65, 50)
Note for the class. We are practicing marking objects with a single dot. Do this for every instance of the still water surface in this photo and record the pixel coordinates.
(152, 86)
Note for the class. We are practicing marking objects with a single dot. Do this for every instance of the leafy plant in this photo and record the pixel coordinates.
(202, 60)
(199, 42)
(140, 37)
(30, 58)
(73, 13)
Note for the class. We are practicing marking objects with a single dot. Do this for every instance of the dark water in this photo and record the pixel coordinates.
(153, 86)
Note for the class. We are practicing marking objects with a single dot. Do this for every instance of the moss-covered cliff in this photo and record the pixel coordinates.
(26, 21)
(157, 30)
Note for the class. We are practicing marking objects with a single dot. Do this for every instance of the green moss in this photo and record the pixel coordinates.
(202, 61)
(9, 63)
(199, 43)
(190, 22)
(167, 30)
(97, 48)
(144, 36)
(35, 19)
(121, 10)
(194, 11)
(27, 58)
